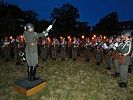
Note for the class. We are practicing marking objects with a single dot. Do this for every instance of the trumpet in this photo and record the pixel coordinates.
(22, 55)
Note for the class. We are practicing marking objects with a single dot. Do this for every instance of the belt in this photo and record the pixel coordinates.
(31, 44)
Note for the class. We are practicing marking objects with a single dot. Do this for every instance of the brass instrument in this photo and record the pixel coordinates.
(22, 56)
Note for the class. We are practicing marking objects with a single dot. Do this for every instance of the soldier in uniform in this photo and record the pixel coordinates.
(69, 45)
(16, 49)
(75, 48)
(97, 51)
(109, 54)
(44, 47)
(124, 59)
(6, 49)
(86, 50)
(1, 48)
(54, 47)
(115, 56)
(131, 59)
(31, 48)
(63, 48)
(79, 46)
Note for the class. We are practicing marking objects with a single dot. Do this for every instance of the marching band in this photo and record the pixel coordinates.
(115, 51)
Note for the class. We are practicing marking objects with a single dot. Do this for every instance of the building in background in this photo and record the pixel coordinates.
(126, 27)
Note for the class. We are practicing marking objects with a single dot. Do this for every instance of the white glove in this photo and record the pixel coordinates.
(105, 46)
(116, 45)
(46, 34)
(49, 28)
(114, 48)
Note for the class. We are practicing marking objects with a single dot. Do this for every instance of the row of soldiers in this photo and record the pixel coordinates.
(10, 48)
(120, 50)
(98, 45)
(15, 47)
(116, 51)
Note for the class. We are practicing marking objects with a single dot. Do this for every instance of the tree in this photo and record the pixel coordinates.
(107, 25)
(12, 19)
(7, 21)
(30, 15)
(67, 23)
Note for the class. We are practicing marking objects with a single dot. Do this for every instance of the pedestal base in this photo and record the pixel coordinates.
(28, 88)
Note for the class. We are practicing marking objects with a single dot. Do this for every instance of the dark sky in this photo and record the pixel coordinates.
(90, 10)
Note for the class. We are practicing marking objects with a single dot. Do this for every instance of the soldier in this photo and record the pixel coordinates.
(97, 51)
(63, 48)
(124, 59)
(86, 49)
(69, 45)
(31, 48)
(1, 49)
(6, 49)
(75, 48)
(44, 47)
(109, 54)
(22, 51)
(115, 56)
(16, 49)
(54, 46)
(79, 46)
(131, 59)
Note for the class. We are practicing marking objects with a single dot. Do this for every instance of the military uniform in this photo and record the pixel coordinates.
(63, 50)
(131, 61)
(132, 58)
(54, 47)
(1, 48)
(97, 52)
(31, 49)
(44, 51)
(16, 49)
(75, 50)
(124, 62)
(86, 51)
(6, 50)
(109, 56)
(69, 45)
(115, 57)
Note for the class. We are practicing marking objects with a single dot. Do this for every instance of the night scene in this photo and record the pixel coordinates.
(66, 50)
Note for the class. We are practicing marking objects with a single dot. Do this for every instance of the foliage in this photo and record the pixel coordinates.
(67, 23)
(107, 25)
(13, 19)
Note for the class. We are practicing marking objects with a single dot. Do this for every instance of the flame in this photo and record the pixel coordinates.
(83, 36)
(11, 37)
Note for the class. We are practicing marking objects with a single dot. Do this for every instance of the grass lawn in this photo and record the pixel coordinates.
(66, 80)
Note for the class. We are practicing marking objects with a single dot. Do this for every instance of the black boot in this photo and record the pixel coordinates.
(116, 74)
(108, 68)
(29, 73)
(123, 85)
(34, 74)
(18, 63)
(87, 60)
(74, 59)
(129, 69)
(101, 61)
(63, 59)
(54, 59)
(98, 63)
